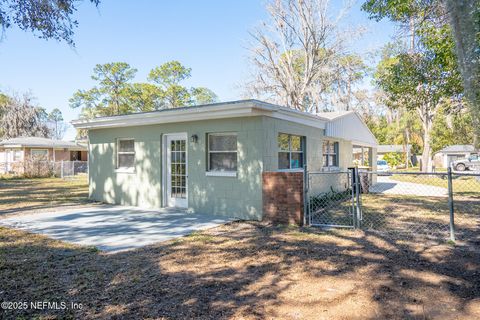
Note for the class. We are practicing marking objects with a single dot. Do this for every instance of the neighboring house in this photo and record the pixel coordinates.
(444, 157)
(213, 158)
(19, 150)
(383, 149)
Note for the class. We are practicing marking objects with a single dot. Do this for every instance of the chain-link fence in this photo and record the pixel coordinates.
(331, 199)
(430, 205)
(40, 168)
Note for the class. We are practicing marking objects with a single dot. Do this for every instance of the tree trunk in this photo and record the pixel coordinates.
(407, 140)
(465, 27)
(427, 149)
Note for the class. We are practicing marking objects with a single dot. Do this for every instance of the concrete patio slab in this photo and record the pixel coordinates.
(114, 228)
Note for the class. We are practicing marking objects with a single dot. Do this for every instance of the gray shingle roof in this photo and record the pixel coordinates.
(41, 142)
(386, 148)
(458, 148)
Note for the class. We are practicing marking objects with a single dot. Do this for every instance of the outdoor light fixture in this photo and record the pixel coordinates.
(194, 138)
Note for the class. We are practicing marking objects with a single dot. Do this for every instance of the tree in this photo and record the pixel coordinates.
(46, 19)
(145, 97)
(22, 118)
(168, 77)
(420, 82)
(451, 127)
(111, 95)
(295, 53)
(465, 22)
(58, 126)
(116, 94)
(350, 70)
(202, 95)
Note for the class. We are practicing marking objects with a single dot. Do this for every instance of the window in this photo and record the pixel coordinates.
(290, 151)
(39, 154)
(330, 153)
(125, 153)
(222, 152)
(17, 155)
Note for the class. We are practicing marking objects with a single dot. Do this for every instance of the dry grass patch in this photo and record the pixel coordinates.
(20, 195)
(245, 271)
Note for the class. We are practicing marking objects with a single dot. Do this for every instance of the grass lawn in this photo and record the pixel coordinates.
(20, 195)
(245, 271)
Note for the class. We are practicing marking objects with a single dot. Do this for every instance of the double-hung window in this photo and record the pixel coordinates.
(125, 153)
(290, 151)
(222, 152)
(39, 154)
(330, 153)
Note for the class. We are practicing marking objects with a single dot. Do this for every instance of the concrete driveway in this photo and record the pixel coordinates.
(387, 185)
(114, 228)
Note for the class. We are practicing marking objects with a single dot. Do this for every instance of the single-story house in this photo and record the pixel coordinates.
(383, 149)
(19, 150)
(214, 158)
(447, 155)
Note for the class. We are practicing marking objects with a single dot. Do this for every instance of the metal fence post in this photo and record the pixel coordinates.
(450, 204)
(353, 185)
(357, 197)
(305, 197)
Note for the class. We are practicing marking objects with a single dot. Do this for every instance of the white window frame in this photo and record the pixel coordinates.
(336, 148)
(20, 157)
(303, 144)
(118, 152)
(32, 152)
(219, 173)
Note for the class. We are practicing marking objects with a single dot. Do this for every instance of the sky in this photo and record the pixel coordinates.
(209, 36)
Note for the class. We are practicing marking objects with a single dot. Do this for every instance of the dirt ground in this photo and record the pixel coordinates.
(245, 271)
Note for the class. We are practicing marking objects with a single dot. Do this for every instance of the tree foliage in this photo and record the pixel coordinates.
(298, 56)
(461, 20)
(46, 19)
(115, 93)
(22, 118)
(56, 124)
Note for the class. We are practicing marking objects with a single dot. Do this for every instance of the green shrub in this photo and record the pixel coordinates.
(394, 158)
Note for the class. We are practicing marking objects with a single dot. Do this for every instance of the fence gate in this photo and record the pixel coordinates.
(332, 200)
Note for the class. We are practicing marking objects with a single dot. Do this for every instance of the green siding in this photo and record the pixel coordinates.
(239, 196)
(272, 127)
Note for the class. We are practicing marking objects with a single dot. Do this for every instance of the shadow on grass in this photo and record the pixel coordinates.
(244, 270)
(19, 195)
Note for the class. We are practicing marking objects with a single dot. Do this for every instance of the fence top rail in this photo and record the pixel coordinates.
(390, 173)
(327, 172)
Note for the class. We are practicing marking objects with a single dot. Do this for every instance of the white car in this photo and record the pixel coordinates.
(382, 166)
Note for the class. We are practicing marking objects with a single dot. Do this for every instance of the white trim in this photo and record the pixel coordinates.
(234, 133)
(291, 170)
(221, 173)
(217, 111)
(118, 152)
(125, 170)
(165, 165)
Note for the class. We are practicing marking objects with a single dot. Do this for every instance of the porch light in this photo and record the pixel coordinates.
(194, 138)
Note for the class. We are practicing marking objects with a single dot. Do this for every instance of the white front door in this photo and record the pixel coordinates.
(175, 183)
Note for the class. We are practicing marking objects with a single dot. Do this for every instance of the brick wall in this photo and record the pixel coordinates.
(283, 197)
